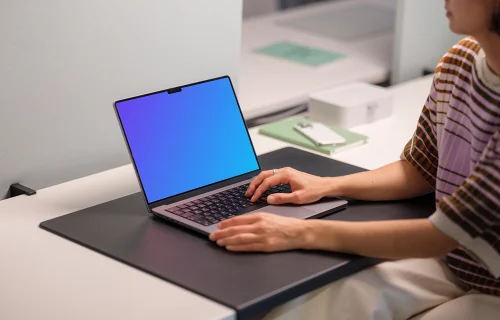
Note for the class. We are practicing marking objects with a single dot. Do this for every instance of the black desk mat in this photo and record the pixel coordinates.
(252, 284)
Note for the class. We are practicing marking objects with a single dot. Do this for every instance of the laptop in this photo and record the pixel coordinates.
(194, 158)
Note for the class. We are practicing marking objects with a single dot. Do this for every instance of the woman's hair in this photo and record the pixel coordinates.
(495, 22)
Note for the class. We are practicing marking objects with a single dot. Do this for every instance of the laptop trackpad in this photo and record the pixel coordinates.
(289, 211)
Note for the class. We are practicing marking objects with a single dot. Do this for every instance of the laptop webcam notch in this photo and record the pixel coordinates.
(174, 90)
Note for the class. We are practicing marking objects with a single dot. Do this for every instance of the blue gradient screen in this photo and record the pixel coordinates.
(186, 140)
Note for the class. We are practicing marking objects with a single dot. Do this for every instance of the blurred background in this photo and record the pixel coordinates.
(258, 7)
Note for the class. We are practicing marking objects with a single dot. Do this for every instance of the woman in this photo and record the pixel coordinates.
(455, 151)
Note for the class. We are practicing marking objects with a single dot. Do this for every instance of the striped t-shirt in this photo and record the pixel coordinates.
(456, 148)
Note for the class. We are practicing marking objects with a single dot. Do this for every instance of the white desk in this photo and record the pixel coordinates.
(43, 276)
(269, 84)
(387, 137)
(46, 277)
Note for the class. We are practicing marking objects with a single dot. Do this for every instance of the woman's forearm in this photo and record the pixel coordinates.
(381, 239)
(396, 181)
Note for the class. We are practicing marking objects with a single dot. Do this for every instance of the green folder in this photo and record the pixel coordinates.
(284, 130)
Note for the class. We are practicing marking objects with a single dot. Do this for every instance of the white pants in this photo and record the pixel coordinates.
(416, 289)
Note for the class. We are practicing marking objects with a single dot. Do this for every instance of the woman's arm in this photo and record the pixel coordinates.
(398, 180)
(381, 239)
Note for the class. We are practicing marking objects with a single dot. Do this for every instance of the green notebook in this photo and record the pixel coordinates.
(284, 130)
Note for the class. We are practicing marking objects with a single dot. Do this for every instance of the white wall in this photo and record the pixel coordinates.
(64, 62)
(253, 8)
(422, 38)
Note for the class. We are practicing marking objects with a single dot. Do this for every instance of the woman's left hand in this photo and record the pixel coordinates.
(263, 232)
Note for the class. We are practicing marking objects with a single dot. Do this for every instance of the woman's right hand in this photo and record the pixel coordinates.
(306, 188)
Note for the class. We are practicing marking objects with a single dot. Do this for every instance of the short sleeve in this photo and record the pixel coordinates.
(421, 151)
(471, 215)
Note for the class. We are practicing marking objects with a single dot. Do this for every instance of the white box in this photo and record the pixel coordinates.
(350, 105)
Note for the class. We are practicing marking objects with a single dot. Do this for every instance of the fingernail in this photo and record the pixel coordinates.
(271, 199)
(220, 243)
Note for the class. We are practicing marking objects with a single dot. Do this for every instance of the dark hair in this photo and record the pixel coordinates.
(495, 21)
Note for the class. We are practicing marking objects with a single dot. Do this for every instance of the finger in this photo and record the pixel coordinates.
(252, 247)
(257, 181)
(232, 231)
(240, 239)
(282, 198)
(240, 220)
(268, 183)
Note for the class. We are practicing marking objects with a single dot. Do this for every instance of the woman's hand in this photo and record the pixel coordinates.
(306, 188)
(262, 232)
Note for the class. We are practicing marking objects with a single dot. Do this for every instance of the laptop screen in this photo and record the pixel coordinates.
(186, 140)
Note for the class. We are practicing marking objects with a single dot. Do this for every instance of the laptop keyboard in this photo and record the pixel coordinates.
(226, 204)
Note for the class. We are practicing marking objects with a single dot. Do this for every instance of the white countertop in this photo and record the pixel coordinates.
(46, 277)
(387, 137)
